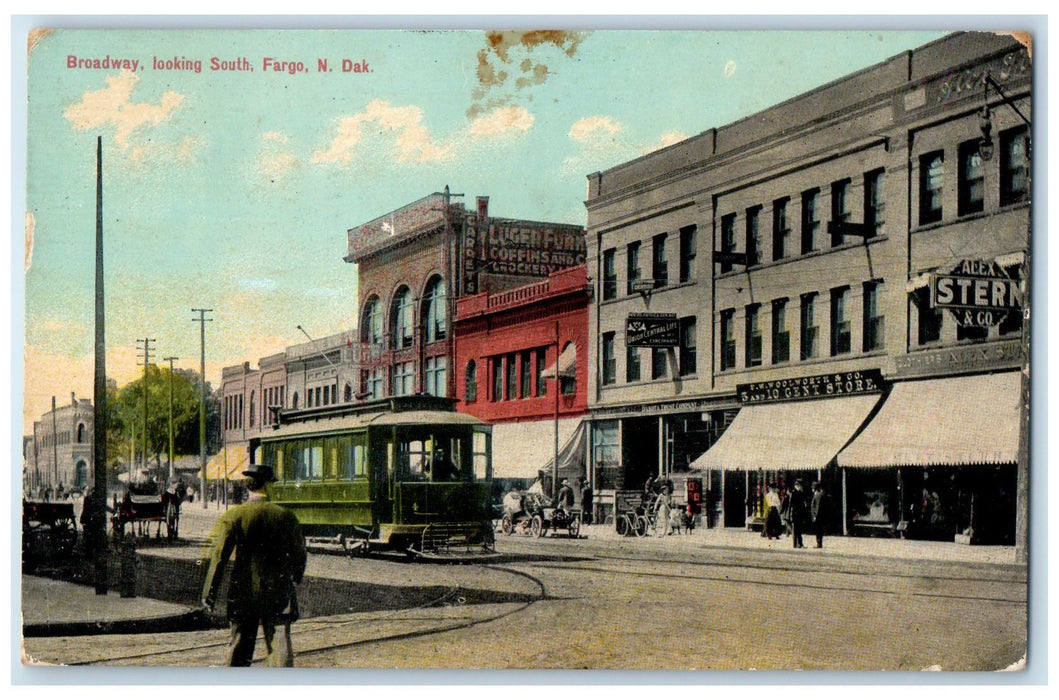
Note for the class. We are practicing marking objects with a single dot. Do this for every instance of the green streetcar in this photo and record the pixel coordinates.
(406, 473)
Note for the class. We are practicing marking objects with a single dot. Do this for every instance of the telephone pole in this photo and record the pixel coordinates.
(98, 533)
(170, 360)
(146, 363)
(202, 403)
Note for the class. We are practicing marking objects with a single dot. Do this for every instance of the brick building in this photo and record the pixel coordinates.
(787, 261)
(59, 453)
(521, 364)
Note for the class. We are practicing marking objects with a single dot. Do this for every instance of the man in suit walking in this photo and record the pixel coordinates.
(269, 561)
(799, 509)
(818, 509)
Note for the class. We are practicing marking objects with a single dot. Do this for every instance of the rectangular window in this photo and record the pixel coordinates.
(542, 383)
(688, 360)
(931, 176)
(781, 334)
(435, 375)
(632, 364)
(525, 374)
(874, 207)
(727, 339)
(403, 379)
(658, 363)
(753, 335)
(610, 276)
(781, 232)
(727, 239)
(1014, 166)
(810, 220)
(928, 320)
(609, 360)
(839, 208)
(874, 321)
(659, 267)
(810, 331)
(687, 253)
(840, 325)
(632, 267)
(498, 378)
(971, 196)
(753, 236)
(509, 372)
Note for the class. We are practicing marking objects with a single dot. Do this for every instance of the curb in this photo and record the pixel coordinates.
(188, 621)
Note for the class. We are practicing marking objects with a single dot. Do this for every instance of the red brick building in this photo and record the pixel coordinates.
(413, 263)
(511, 349)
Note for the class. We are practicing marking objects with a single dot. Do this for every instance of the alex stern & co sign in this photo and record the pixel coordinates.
(976, 292)
(652, 330)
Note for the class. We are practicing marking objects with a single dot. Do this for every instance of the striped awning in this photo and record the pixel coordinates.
(231, 460)
(950, 421)
(797, 435)
(566, 365)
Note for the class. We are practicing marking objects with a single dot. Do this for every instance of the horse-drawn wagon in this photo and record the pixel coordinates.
(49, 530)
(139, 510)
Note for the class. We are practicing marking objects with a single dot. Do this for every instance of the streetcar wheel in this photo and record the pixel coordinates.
(575, 527)
(506, 525)
(536, 526)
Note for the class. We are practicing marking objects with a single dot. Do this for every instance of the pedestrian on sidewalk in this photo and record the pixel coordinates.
(818, 510)
(800, 513)
(773, 527)
(269, 561)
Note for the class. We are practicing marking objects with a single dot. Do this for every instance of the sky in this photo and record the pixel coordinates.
(232, 190)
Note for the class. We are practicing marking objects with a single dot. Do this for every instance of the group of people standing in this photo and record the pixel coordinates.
(796, 512)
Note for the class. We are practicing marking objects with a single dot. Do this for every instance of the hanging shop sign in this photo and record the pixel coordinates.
(652, 330)
(977, 292)
(821, 386)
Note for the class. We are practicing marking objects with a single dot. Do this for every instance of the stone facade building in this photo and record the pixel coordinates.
(59, 453)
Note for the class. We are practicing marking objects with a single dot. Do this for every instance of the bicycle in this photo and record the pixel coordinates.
(632, 522)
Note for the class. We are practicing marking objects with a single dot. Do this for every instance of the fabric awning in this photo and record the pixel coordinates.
(951, 421)
(567, 363)
(796, 435)
(520, 449)
(232, 457)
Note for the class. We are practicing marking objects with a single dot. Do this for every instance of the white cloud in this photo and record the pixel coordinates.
(502, 120)
(593, 128)
(411, 140)
(113, 106)
(275, 160)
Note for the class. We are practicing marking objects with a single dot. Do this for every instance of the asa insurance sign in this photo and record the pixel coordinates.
(976, 292)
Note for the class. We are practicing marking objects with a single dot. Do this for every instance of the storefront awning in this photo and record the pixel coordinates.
(567, 364)
(796, 435)
(232, 459)
(521, 449)
(952, 421)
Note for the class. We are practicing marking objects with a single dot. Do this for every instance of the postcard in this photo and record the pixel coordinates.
(534, 349)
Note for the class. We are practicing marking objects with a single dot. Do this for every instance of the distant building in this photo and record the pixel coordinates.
(764, 301)
(513, 350)
(59, 453)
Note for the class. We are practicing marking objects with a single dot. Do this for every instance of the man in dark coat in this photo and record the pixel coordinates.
(818, 510)
(800, 513)
(269, 560)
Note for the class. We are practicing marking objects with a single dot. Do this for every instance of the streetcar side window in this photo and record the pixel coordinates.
(480, 454)
(352, 458)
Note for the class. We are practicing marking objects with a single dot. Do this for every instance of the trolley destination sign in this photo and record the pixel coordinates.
(652, 330)
(820, 386)
(976, 292)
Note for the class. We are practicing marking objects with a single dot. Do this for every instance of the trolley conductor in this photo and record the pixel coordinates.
(269, 561)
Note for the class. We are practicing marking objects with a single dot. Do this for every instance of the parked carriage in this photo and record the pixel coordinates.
(139, 510)
(406, 473)
(49, 530)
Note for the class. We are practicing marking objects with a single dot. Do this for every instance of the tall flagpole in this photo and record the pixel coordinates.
(99, 398)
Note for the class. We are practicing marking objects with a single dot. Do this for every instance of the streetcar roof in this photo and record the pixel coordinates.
(427, 418)
(361, 421)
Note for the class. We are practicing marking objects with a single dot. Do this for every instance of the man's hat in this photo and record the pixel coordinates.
(566, 482)
(260, 471)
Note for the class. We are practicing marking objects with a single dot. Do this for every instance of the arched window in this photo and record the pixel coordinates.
(294, 401)
(401, 323)
(470, 392)
(80, 432)
(347, 393)
(371, 322)
(435, 322)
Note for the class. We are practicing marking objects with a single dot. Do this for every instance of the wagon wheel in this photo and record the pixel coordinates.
(506, 525)
(537, 526)
(575, 526)
(172, 521)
